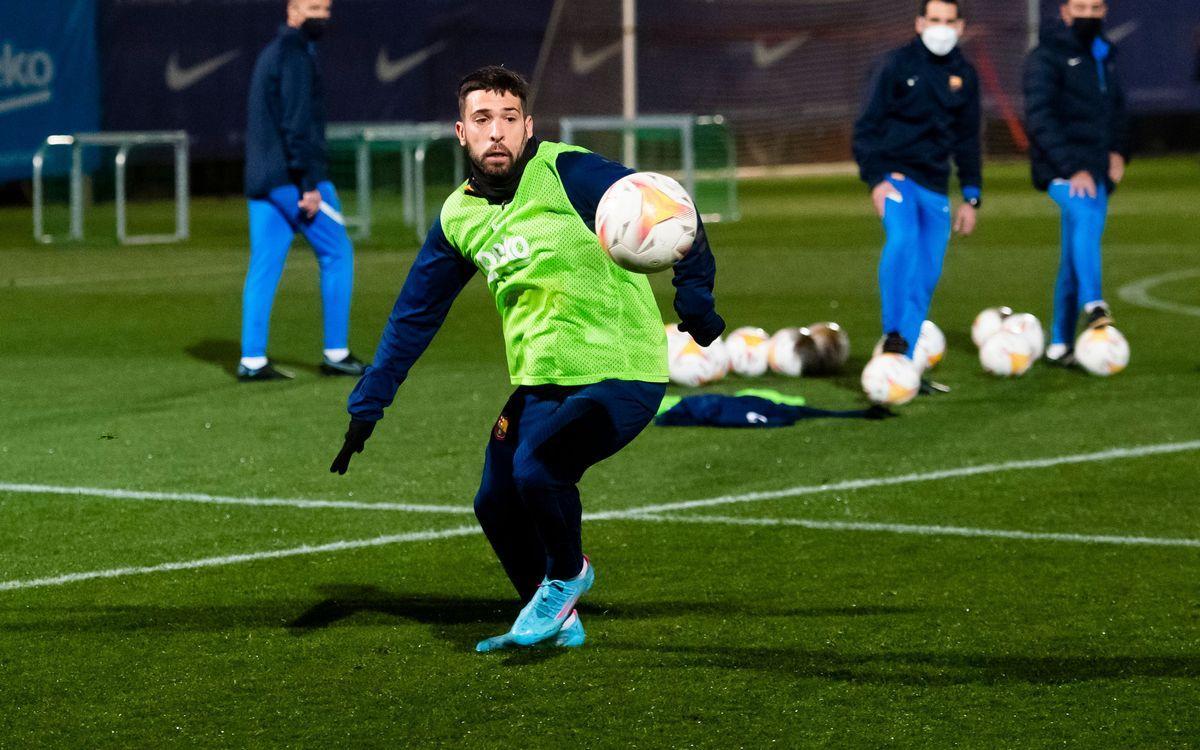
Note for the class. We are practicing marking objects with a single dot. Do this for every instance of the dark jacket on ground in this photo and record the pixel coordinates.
(1074, 109)
(285, 126)
(920, 111)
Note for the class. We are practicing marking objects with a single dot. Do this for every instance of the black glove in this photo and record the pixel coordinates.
(356, 438)
(704, 330)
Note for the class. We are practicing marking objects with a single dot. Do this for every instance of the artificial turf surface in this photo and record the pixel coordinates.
(116, 373)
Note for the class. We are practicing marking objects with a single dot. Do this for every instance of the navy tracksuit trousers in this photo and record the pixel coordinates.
(547, 436)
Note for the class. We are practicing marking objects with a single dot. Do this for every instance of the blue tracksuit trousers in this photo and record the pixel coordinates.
(918, 225)
(274, 222)
(547, 436)
(1079, 279)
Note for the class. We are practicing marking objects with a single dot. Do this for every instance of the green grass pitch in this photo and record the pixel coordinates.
(879, 614)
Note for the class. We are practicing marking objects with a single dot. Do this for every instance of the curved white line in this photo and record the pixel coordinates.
(1138, 293)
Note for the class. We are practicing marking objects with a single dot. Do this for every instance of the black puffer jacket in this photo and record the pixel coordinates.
(1075, 115)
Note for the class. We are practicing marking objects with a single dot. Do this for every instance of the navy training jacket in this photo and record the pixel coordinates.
(285, 124)
(920, 111)
(1074, 109)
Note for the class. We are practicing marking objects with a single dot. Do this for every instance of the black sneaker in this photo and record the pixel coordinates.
(266, 372)
(894, 343)
(349, 365)
(1099, 317)
(930, 387)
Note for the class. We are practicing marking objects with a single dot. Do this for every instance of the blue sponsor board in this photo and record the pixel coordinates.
(49, 81)
(172, 65)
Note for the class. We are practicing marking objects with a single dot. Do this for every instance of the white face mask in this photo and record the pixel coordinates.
(940, 39)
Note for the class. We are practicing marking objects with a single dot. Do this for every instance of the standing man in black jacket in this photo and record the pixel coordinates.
(921, 110)
(290, 192)
(1079, 133)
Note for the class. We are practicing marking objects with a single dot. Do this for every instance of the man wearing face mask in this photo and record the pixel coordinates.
(1079, 146)
(584, 341)
(289, 191)
(921, 111)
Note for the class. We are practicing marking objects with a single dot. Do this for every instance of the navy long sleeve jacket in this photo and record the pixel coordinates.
(285, 124)
(920, 111)
(1074, 108)
(440, 272)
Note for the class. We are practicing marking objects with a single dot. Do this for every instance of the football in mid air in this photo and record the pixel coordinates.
(646, 222)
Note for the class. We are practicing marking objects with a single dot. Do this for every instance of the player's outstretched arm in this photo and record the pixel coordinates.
(437, 276)
(694, 279)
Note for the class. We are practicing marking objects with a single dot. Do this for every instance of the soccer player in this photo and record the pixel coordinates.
(1079, 133)
(584, 340)
(921, 110)
(289, 192)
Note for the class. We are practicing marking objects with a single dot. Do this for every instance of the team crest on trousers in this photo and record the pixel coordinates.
(500, 432)
(956, 83)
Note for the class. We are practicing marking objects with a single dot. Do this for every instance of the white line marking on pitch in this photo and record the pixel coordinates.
(648, 513)
(922, 530)
(199, 497)
(850, 484)
(214, 562)
(1138, 293)
(929, 476)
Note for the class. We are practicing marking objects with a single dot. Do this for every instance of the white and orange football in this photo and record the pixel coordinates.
(646, 222)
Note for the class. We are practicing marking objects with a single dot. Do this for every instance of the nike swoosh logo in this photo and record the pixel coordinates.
(390, 71)
(1122, 31)
(767, 55)
(24, 101)
(585, 63)
(179, 78)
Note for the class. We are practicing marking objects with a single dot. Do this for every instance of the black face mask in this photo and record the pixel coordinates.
(314, 28)
(1087, 29)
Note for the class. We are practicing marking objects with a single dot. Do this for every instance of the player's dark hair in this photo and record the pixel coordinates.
(495, 78)
(923, 6)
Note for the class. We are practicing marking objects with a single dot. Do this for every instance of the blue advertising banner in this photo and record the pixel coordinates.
(173, 65)
(49, 80)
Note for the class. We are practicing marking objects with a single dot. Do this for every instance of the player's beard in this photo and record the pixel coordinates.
(492, 171)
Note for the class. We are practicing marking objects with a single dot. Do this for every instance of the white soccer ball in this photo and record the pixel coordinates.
(1006, 354)
(1029, 328)
(646, 222)
(832, 349)
(784, 355)
(988, 322)
(692, 365)
(891, 379)
(931, 345)
(749, 351)
(1102, 351)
